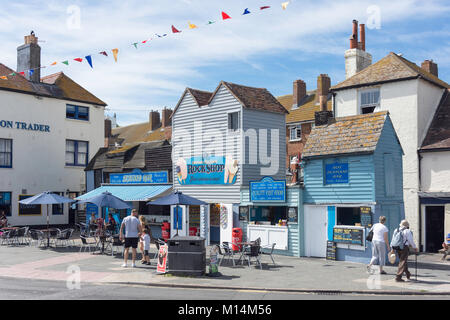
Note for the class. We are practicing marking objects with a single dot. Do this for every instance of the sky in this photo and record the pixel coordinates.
(266, 48)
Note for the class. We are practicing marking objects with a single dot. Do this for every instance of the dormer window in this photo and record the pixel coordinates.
(369, 101)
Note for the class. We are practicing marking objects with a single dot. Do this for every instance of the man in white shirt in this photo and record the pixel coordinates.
(403, 254)
(132, 230)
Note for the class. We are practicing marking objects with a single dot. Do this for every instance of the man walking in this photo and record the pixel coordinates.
(132, 230)
(403, 251)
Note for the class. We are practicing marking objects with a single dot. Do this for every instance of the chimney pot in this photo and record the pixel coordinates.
(354, 37)
(323, 88)
(154, 120)
(165, 118)
(362, 32)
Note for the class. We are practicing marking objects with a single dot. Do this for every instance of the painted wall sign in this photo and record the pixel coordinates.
(207, 170)
(139, 177)
(9, 124)
(268, 190)
(336, 173)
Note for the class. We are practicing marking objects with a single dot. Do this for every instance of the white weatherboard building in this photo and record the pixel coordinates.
(412, 95)
(49, 130)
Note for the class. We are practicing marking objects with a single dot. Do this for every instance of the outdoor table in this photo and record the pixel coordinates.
(244, 245)
(9, 228)
(47, 231)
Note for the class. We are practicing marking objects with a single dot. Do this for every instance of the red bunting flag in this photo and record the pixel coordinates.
(175, 30)
(78, 59)
(225, 16)
(265, 7)
(103, 53)
(22, 73)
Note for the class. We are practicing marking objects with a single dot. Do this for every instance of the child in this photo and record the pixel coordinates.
(146, 241)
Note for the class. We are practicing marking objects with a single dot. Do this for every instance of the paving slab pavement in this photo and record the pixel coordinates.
(290, 273)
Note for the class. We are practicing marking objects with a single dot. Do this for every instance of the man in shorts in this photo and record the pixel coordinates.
(133, 229)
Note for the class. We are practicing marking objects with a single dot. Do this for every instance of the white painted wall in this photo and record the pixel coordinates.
(411, 105)
(435, 171)
(39, 157)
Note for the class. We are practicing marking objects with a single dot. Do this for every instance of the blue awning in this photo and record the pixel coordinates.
(129, 192)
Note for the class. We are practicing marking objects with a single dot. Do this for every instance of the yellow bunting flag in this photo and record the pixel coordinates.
(284, 5)
(192, 26)
(115, 52)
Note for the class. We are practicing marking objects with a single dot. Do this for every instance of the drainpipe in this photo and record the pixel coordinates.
(334, 104)
(420, 205)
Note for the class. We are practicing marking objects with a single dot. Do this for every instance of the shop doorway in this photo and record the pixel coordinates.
(434, 228)
(315, 231)
(73, 211)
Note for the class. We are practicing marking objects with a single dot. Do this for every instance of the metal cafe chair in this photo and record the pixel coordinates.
(85, 244)
(116, 242)
(36, 236)
(226, 251)
(254, 251)
(4, 237)
(271, 247)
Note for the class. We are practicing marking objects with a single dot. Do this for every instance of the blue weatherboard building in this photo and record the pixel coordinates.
(352, 176)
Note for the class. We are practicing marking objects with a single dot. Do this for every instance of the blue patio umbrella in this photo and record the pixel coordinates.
(107, 199)
(46, 198)
(177, 198)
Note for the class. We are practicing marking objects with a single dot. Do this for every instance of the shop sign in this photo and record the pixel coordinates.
(348, 235)
(207, 170)
(139, 177)
(336, 173)
(268, 190)
(8, 124)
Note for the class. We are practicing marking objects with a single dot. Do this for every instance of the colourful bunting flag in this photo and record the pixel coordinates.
(246, 11)
(66, 62)
(4, 77)
(12, 74)
(174, 30)
(22, 73)
(103, 53)
(78, 59)
(54, 63)
(30, 72)
(135, 44)
(284, 5)
(265, 7)
(225, 16)
(115, 52)
(211, 22)
(165, 34)
(192, 26)
(89, 60)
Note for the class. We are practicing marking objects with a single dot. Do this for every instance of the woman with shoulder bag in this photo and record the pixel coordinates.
(380, 243)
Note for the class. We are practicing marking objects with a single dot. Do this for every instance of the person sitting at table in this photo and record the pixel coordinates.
(111, 225)
(92, 222)
(3, 219)
(100, 224)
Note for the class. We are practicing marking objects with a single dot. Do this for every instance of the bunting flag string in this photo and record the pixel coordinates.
(115, 52)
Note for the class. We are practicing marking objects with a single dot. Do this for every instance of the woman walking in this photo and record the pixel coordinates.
(380, 242)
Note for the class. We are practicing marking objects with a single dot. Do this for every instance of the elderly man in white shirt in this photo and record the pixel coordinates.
(403, 254)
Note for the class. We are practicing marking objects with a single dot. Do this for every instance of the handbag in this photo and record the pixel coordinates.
(370, 235)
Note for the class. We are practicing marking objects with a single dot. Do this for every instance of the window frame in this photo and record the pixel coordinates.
(230, 121)
(3, 204)
(369, 105)
(77, 112)
(58, 206)
(297, 128)
(76, 152)
(10, 154)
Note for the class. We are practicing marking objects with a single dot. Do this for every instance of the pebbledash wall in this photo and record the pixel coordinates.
(39, 156)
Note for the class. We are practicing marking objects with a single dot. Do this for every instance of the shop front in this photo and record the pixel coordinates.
(349, 185)
(137, 188)
(269, 210)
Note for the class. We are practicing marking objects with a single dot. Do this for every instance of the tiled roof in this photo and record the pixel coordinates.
(57, 86)
(354, 134)
(390, 68)
(201, 97)
(438, 136)
(306, 111)
(140, 132)
(254, 98)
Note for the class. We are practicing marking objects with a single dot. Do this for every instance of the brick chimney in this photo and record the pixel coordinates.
(154, 120)
(299, 93)
(323, 88)
(165, 117)
(29, 58)
(356, 58)
(108, 132)
(431, 67)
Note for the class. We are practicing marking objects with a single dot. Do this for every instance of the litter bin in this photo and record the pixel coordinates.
(187, 256)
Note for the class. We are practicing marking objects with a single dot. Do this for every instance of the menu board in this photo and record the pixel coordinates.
(366, 216)
(331, 250)
(348, 235)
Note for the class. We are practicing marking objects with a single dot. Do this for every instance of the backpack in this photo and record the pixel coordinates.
(398, 243)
